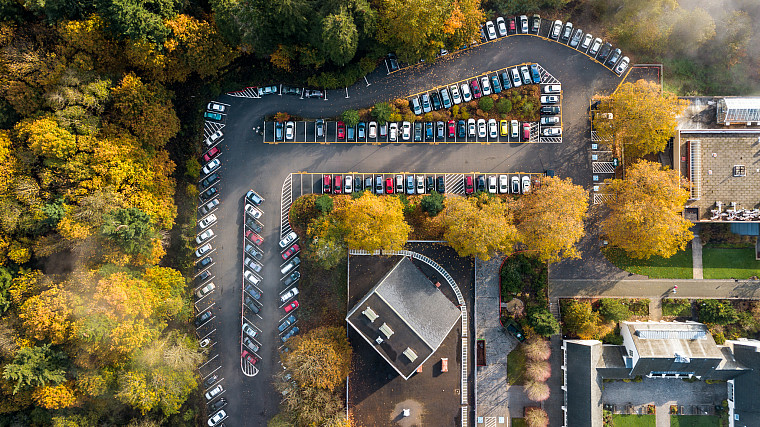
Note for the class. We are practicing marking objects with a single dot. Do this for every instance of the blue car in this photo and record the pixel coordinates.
(287, 322)
(212, 116)
(506, 81)
(534, 74)
(290, 333)
(496, 86)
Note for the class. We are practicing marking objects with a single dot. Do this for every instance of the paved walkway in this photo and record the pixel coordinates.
(696, 256)
(655, 309)
(654, 288)
(492, 397)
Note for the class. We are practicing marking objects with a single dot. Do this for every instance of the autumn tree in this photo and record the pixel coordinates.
(550, 219)
(373, 223)
(314, 406)
(644, 25)
(48, 316)
(479, 226)
(54, 396)
(328, 245)
(351, 117)
(643, 119)
(319, 358)
(645, 212)
(613, 310)
(339, 37)
(382, 111)
(536, 349)
(536, 391)
(536, 417)
(580, 319)
(538, 370)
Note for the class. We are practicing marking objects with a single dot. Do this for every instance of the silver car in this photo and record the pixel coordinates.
(455, 94)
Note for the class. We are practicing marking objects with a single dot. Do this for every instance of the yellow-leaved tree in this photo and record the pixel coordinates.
(643, 119)
(550, 218)
(373, 223)
(479, 226)
(646, 208)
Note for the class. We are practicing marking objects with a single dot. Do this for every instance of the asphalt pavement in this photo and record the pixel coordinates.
(248, 163)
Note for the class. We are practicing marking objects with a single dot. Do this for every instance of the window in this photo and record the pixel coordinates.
(740, 170)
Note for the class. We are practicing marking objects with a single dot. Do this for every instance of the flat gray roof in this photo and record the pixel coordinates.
(666, 339)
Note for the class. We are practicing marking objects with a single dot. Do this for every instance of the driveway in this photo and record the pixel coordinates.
(248, 163)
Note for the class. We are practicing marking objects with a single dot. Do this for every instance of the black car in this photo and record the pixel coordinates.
(553, 110)
(204, 262)
(219, 404)
(357, 184)
(417, 131)
(461, 129)
(211, 192)
(604, 52)
(210, 380)
(204, 276)
(287, 90)
(292, 278)
(430, 184)
(252, 291)
(436, 100)
(392, 62)
(441, 185)
(614, 58)
(251, 305)
(202, 318)
(368, 183)
(253, 225)
(481, 183)
(214, 177)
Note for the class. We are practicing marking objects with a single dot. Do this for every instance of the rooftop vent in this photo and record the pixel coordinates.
(371, 315)
(410, 354)
(672, 334)
(385, 329)
(740, 170)
(379, 340)
(681, 359)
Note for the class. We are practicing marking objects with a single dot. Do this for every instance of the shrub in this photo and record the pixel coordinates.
(537, 349)
(432, 204)
(613, 310)
(716, 311)
(536, 417)
(504, 106)
(538, 370)
(537, 391)
(351, 117)
(324, 204)
(485, 104)
(580, 320)
(542, 321)
(282, 117)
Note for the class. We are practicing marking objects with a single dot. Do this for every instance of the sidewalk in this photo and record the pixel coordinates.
(654, 288)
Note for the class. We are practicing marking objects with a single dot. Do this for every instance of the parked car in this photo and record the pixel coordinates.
(287, 322)
(417, 132)
(511, 26)
(503, 128)
(476, 93)
(515, 125)
(466, 94)
(613, 58)
(361, 130)
(248, 357)
(429, 131)
(208, 220)
(429, 184)
(604, 52)
(486, 85)
(320, 128)
(287, 296)
(435, 98)
(595, 47)
(278, 131)
(471, 128)
(526, 78)
(290, 266)
(445, 98)
(204, 236)
(267, 90)
(536, 25)
(253, 292)
(556, 29)
(515, 181)
(406, 131)
(290, 307)
(492, 184)
(203, 318)
(338, 184)
(213, 138)
(503, 184)
(248, 302)
(420, 184)
(505, 81)
(441, 185)
(524, 24)
(351, 133)
(481, 128)
(526, 131)
(416, 107)
(566, 32)
(372, 129)
(287, 90)
(502, 26)
(392, 62)
(534, 74)
(341, 130)
(214, 177)
(212, 116)
(455, 96)
(253, 211)
(210, 380)
(290, 131)
(468, 185)
(294, 276)
(203, 276)
(525, 184)
(253, 265)
(290, 333)
(290, 252)
(516, 77)
(480, 182)
(576, 38)
(622, 66)
(348, 184)
(490, 30)
(549, 99)
(492, 129)
(410, 184)
(549, 110)
(461, 129)
(203, 263)
(393, 132)
(211, 394)
(248, 330)
(250, 277)
(552, 89)
(451, 129)
(210, 154)
(250, 345)
(549, 120)
(288, 239)
(551, 131)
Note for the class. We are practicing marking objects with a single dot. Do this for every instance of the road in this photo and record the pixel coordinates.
(248, 163)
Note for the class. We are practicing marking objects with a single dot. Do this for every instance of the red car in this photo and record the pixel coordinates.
(475, 89)
(341, 130)
(249, 357)
(389, 185)
(338, 184)
(468, 186)
(290, 252)
(211, 154)
(526, 131)
(452, 131)
(255, 238)
(292, 306)
(327, 186)
(512, 28)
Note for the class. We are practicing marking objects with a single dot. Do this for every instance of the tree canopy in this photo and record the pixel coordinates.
(479, 226)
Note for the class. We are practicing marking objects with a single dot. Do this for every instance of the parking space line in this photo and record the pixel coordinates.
(206, 362)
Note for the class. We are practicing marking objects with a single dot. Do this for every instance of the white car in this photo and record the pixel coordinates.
(549, 120)
(471, 128)
(205, 222)
(524, 24)
(466, 95)
(393, 132)
(406, 131)
(287, 296)
(455, 94)
(202, 292)
(248, 330)
(373, 129)
(217, 418)
(493, 130)
(622, 66)
(204, 342)
(249, 276)
(515, 127)
(503, 184)
(525, 184)
(485, 85)
(551, 131)
(204, 236)
(502, 26)
(253, 211)
(595, 47)
(481, 128)
(552, 88)
(516, 81)
(492, 184)
(420, 184)
(289, 130)
(586, 41)
(549, 99)
(202, 250)
(213, 106)
(211, 166)
(288, 239)
(211, 140)
(348, 185)
(214, 392)
(556, 29)
(490, 30)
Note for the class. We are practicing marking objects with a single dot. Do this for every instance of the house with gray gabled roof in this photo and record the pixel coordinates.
(405, 317)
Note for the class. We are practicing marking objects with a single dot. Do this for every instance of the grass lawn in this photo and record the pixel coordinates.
(633, 420)
(518, 422)
(694, 421)
(729, 263)
(515, 367)
(678, 266)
